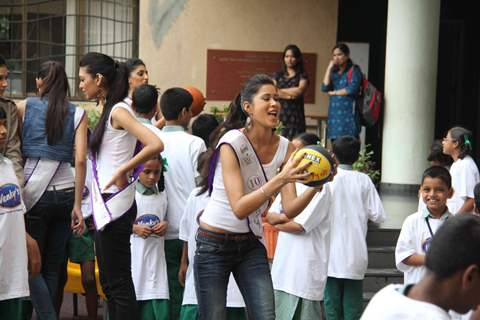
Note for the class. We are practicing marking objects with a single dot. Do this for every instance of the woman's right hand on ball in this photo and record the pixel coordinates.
(292, 172)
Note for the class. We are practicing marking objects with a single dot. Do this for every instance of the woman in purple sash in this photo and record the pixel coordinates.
(113, 146)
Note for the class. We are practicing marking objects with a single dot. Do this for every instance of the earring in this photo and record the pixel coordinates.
(248, 123)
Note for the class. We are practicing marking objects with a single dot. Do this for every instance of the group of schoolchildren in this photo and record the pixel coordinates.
(321, 255)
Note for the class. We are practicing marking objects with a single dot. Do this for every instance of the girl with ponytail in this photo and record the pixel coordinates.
(458, 144)
(54, 137)
(115, 153)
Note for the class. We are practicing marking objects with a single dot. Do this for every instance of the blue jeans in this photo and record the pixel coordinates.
(48, 222)
(217, 256)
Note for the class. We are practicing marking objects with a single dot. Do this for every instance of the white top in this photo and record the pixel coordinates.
(187, 232)
(149, 268)
(181, 151)
(13, 246)
(304, 255)
(465, 176)
(354, 201)
(63, 176)
(116, 149)
(218, 212)
(391, 304)
(412, 239)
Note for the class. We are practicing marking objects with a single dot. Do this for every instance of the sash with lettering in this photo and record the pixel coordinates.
(118, 203)
(10, 194)
(252, 173)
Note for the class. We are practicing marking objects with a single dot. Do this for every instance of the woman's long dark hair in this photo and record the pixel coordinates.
(55, 86)
(116, 86)
(299, 66)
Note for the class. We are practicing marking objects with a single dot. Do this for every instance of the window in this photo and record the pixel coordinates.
(33, 31)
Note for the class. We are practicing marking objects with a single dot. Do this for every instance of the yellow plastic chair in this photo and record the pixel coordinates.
(74, 283)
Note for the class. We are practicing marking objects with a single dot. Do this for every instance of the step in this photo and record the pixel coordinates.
(381, 257)
(376, 279)
(378, 237)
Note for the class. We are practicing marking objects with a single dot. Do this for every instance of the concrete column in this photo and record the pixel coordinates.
(410, 89)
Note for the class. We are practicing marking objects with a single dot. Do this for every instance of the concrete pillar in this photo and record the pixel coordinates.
(410, 89)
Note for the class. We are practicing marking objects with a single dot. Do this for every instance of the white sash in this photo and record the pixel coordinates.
(10, 194)
(106, 211)
(252, 173)
(39, 180)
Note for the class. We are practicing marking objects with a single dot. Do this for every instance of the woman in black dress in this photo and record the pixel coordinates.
(292, 82)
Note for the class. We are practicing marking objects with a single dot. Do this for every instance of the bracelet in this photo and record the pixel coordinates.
(264, 193)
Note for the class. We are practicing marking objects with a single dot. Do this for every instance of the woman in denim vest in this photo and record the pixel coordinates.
(53, 131)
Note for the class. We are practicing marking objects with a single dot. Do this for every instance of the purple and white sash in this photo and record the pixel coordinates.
(39, 180)
(252, 171)
(118, 203)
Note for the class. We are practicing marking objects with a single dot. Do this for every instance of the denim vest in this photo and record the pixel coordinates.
(35, 143)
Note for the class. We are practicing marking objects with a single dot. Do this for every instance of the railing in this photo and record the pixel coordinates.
(320, 127)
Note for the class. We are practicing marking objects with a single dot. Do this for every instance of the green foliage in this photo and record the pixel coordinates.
(220, 112)
(366, 164)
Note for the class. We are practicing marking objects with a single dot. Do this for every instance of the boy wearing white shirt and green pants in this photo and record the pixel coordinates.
(354, 201)
(181, 153)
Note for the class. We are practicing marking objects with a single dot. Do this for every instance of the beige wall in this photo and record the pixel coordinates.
(175, 47)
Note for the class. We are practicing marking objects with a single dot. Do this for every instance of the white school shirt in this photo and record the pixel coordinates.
(354, 201)
(412, 239)
(13, 245)
(301, 260)
(465, 176)
(117, 148)
(188, 229)
(391, 304)
(181, 152)
(149, 268)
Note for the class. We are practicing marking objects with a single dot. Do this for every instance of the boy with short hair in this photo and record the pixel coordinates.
(203, 126)
(451, 281)
(181, 153)
(11, 149)
(419, 228)
(354, 201)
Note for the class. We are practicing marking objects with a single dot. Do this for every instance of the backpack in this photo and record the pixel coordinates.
(368, 102)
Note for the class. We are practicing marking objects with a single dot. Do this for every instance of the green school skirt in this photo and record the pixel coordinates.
(291, 307)
(155, 309)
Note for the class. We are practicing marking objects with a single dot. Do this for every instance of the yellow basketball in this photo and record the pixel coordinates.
(322, 166)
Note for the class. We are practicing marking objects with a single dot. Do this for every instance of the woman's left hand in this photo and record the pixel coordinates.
(160, 228)
(77, 224)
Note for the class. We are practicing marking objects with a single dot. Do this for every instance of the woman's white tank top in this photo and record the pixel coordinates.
(116, 149)
(218, 212)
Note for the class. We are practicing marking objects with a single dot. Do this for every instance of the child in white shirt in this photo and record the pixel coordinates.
(419, 228)
(181, 153)
(451, 283)
(464, 171)
(354, 201)
(149, 269)
(302, 250)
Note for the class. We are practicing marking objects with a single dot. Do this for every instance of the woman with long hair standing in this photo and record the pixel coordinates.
(292, 82)
(243, 178)
(115, 153)
(342, 89)
(54, 137)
